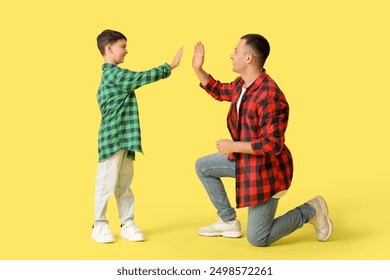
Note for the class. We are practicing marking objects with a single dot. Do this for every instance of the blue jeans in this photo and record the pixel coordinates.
(263, 229)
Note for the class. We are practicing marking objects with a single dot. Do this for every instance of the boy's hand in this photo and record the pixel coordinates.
(176, 60)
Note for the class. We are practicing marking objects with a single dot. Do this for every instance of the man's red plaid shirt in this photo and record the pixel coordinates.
(262, 121)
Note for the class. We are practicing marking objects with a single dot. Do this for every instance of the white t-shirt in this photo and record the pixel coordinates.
(239, 100)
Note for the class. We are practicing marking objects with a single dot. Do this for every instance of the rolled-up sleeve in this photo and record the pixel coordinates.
(219, 91)
(272, 125)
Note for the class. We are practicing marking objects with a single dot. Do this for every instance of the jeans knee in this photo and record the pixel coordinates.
(199, 165)
(256, 241)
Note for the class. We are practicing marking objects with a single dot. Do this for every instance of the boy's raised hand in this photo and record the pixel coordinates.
(177, 58)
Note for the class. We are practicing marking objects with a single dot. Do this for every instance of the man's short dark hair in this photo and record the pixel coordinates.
(259, 45)
(108, 37)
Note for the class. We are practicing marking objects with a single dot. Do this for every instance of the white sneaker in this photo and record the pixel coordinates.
(321, 221)
(230, 229)
(130, 231)
(102, 233)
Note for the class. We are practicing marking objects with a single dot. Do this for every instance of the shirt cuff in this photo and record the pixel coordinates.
(257, 147)
(167, 70)
(210, 82)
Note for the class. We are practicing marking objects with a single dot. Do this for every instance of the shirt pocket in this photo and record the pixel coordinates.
(251, 125)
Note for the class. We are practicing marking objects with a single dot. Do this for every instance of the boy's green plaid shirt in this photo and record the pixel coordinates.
(120, 128)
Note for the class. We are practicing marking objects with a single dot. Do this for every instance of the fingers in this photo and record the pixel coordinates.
(221, 147)
(199, 48)
(180, 51)
(220, 143)
(177, 58)
(179, 54)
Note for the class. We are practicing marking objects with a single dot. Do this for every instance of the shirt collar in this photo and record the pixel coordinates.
(108, 66)
(256, 84)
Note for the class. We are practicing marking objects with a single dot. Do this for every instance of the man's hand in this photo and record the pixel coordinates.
(198, 58)
(197, 63)
(225, 146)
(177, 58)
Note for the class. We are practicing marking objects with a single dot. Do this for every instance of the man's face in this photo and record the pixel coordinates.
(119, 51)
(240, 57)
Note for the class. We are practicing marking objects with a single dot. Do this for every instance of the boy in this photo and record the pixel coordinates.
(119, 134)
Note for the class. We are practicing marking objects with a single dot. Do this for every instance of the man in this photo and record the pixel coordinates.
(256, 156)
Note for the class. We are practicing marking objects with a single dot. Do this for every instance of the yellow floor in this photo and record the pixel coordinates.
(171, 234)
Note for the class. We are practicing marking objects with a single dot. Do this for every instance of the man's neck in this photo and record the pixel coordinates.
(250, 76)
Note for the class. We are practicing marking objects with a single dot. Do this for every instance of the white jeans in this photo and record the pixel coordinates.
(114, 176)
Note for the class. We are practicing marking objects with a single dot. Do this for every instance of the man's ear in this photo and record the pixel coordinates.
(249, 58)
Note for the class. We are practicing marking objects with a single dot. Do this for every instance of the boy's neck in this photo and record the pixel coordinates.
(109, 60)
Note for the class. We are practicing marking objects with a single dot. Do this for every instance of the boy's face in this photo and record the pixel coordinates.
(117, 51)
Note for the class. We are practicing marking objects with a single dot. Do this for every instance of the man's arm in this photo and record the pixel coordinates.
(219, 91)
(197, 63)
(272, 125)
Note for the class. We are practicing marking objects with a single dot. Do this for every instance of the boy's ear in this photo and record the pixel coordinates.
(108, 48)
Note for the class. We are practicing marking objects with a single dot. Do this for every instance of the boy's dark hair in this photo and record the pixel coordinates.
(259, 45)
(108, 37)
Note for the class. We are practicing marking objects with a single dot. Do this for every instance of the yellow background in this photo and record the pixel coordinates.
(331, 59)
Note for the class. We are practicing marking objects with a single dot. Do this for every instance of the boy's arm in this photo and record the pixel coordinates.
(130, 80)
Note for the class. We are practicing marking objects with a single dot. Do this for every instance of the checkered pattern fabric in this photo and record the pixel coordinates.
(262, 121)
(120, 128)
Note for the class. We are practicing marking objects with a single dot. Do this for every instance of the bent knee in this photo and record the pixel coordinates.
(258, 242)
(198, 164)
(201, 165)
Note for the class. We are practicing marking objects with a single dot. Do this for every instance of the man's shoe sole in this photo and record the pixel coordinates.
(228, 234)
(324, 209)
